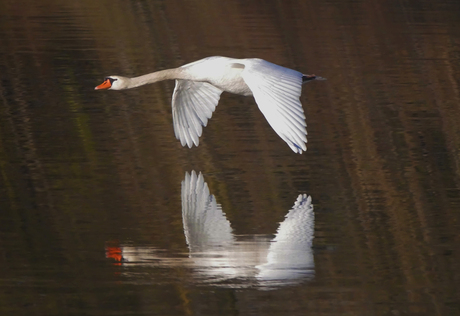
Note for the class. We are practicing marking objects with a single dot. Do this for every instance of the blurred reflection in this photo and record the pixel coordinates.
(218, 257)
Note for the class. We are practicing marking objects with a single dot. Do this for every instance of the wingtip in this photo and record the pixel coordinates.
(303, 199)
(298, 149)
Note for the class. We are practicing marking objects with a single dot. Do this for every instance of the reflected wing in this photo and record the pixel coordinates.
(205, 225)
(277, 91)
(298, 227)
(192, 106)
(290, 255)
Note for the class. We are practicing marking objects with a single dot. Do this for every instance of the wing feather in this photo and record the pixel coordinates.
(277, 91)
(205, 223)
(193, 103)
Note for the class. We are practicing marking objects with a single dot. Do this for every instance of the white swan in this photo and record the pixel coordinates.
(219, 257)
(199, 85)
(216, 251)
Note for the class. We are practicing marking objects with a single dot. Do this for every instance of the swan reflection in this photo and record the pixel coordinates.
(219, 257)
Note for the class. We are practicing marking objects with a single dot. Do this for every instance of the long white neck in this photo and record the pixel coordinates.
(167, 74)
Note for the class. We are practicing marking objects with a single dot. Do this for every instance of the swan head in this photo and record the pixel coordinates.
(113, 83)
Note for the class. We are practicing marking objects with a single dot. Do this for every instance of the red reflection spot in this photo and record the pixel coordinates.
(114, 253)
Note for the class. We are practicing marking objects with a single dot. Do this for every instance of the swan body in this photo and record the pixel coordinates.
(219, 257)
(199, 85)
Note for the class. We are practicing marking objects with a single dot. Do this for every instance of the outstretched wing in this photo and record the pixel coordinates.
(277, 91)
(192, 105)
(205, 224)
(290, 255)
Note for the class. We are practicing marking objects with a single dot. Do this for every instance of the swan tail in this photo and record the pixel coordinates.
(307, 78)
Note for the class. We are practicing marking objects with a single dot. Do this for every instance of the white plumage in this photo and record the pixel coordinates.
(217, 255)
(199, 85)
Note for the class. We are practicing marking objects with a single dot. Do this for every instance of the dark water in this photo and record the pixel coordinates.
(96, 212)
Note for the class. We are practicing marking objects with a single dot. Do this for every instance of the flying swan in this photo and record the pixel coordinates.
(199, 85)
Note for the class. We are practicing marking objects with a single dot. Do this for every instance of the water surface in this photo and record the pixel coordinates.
(91, 199)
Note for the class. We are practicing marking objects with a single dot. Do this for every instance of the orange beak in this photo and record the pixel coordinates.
(104, 86)
(114, 253)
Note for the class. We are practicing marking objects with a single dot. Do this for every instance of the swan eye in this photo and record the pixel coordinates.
(110, 79)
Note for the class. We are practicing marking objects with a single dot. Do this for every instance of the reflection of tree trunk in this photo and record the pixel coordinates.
(384, 132)
(19, 130)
